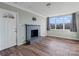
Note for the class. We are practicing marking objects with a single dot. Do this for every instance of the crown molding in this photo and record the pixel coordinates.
(25, 9)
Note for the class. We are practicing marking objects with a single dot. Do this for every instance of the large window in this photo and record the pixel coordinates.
(60, 22)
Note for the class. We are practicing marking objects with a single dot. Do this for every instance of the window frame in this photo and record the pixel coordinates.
(63, 22)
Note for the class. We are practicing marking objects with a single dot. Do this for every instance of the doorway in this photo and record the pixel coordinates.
(7, 29)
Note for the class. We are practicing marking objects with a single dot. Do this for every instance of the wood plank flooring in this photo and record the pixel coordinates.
(47, 46)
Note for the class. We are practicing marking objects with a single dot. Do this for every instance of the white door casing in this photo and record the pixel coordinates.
(7, 29)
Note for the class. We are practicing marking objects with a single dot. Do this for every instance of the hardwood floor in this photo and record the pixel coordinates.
(46, 47)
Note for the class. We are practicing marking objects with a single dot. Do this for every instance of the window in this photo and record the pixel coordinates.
(67, 22)
(60, 22)
(52, 23)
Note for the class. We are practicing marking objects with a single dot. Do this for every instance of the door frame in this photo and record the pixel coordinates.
(17, 18)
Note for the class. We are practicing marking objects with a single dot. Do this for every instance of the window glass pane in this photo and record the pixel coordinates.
(67, 21)
(59, 22)
(67, 26)
(52, 23)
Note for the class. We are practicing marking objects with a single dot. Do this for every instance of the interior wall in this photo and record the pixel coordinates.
(23, 18)
(63, 34)
(26, 18)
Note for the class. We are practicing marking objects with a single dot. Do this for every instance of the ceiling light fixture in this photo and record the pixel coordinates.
(48, 4)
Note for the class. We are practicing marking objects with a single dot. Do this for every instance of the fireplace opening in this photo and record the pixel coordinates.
(34, 33)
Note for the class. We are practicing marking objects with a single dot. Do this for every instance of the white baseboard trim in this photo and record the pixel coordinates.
(21, 43)
(63, 37)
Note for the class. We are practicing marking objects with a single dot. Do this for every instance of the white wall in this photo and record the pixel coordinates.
(63, 34)
(25, 18)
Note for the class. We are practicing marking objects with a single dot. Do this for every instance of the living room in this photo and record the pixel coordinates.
(37, 28)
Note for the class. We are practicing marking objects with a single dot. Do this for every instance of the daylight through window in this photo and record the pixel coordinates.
(60, 22)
